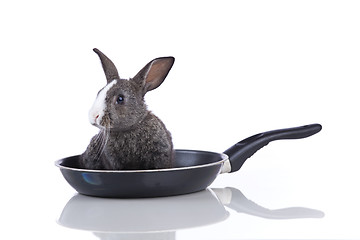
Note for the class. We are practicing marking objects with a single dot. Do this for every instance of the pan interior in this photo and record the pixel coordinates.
(188, 158)
(183, 159)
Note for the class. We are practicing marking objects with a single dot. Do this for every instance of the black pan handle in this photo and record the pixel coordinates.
(247, 147)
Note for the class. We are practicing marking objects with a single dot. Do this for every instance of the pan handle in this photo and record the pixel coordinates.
(247, 147)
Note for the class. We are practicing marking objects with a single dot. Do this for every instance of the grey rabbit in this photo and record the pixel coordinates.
(130, 136)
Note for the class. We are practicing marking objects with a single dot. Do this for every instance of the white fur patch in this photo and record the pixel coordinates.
(97, 110)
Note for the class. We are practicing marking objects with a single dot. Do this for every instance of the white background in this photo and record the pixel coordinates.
(242, 67)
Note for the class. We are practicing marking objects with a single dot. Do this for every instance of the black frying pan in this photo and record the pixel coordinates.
(194, 170)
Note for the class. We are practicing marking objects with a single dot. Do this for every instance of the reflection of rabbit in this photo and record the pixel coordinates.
(130, 136)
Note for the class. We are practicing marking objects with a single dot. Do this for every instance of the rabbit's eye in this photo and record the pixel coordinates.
(120, 99)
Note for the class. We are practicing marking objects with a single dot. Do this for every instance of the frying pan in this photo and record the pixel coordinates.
(193, 170)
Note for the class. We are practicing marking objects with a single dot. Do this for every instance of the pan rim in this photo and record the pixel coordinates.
(223, 156)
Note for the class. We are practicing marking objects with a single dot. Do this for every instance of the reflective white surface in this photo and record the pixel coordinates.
(241, 68)
(142, 218)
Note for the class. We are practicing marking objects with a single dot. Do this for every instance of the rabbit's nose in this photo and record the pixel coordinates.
(94, 117)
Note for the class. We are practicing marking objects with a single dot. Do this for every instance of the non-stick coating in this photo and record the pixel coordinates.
(194, 171)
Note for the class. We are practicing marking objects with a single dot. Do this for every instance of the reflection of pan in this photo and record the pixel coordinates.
(166, 214)
(142, 215)
(193, 171)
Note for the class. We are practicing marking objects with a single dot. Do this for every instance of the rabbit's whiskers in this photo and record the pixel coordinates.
(101, 140)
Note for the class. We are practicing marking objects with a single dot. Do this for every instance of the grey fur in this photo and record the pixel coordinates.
(131, 137)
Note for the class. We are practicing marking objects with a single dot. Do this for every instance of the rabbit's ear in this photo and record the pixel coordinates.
(110, 70)
(154, 73)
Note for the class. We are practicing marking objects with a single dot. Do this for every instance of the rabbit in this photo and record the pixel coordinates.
(130, 137)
